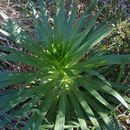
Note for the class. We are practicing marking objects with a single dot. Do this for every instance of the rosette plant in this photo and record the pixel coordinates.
(69, 90)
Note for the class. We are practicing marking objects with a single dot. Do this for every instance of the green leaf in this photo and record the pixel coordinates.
(84, 33)
(59, 22)
(44, 19)
(26, 94)
(19, 112)
(41, 111)
(95, 93)
(81, 118)
(19, 56)
(7, 97)
(112, 92)
(11, 78)
(70, 24)
(60, 118)
(86, 108)
(92, 39)
(97, 74)
(97, 61)
(107, 89)
(19, 36)
(85, 17)
(120, 86)
(42, 33)
(102, 114)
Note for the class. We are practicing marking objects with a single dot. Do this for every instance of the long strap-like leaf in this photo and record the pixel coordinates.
(86, 108)
(60, 118)
(81, 118)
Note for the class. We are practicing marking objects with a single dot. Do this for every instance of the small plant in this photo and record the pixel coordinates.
(67, 89)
